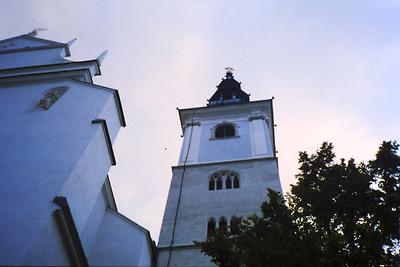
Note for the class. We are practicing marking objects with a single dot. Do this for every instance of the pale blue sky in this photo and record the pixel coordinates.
(333, 67)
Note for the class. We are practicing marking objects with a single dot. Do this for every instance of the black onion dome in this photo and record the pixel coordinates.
(229, 92)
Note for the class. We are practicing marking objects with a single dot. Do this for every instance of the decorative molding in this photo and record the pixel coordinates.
(190, 123)
(69, 233)
(211, 163)
(218, 109)
(210, 114)
(257, 117)
(34, 48)
(91, 65)
(51, 96)
(107, 138)
(173, 247)
(224, 138)
(78, 74)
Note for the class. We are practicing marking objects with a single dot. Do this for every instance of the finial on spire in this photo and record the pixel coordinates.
(102, 56)
(36, 31)
(71, 42)
(229, 72)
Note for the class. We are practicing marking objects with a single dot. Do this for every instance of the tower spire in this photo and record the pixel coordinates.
(229, 91)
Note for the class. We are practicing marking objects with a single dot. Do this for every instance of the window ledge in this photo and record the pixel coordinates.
(224, 189)
(224, 138)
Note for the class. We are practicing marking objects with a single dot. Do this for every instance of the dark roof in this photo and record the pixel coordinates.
(228, 92)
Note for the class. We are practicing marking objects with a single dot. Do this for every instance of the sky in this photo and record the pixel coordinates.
(333, 67)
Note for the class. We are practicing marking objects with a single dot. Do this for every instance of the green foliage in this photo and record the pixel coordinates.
(259, 241)
(338, 214)
(219, 247)
(385, 170)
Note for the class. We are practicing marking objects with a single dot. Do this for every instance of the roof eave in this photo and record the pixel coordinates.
(216, 106)
(82, 64)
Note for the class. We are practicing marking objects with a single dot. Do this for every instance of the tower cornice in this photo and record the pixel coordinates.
(224, 162)
(187, 113)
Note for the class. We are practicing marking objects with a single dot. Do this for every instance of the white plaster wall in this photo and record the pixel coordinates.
(253, 136)
(198, 203)
(31, 58)
(47, 248)
(120, 243)
(89, 233)
(48, 153)
(188, 257)
(86, 181)
(110, 113)
(192, 135)
(214, 150)
(260, 138)
(185, 145)
(84, 184)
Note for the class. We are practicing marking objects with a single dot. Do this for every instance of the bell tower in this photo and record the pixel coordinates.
(227, 162)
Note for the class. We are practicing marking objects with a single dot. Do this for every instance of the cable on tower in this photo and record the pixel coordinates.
(180, 192)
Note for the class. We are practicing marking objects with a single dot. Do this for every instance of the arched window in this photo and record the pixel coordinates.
(234, 225)
(211, 227)
(236, 182)
(219, 183)
(223, 224)
(228, 183)
(223, 180)
(225, 130)
(211, 184)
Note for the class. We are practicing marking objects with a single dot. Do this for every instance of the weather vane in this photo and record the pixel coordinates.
(229, 70)
(36, 31)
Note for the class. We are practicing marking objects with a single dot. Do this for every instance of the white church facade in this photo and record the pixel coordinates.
(56, 149)
(227, 162)
(56, 135)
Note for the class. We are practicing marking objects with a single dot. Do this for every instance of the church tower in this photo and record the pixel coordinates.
(227, 162)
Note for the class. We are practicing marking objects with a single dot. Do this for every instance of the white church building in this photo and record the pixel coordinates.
(56, 135)
(56, 149)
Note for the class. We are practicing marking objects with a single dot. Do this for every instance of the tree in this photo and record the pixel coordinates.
(334, 201)
(338, 214)
(220, 248)
(259, 240)
(385, 170)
